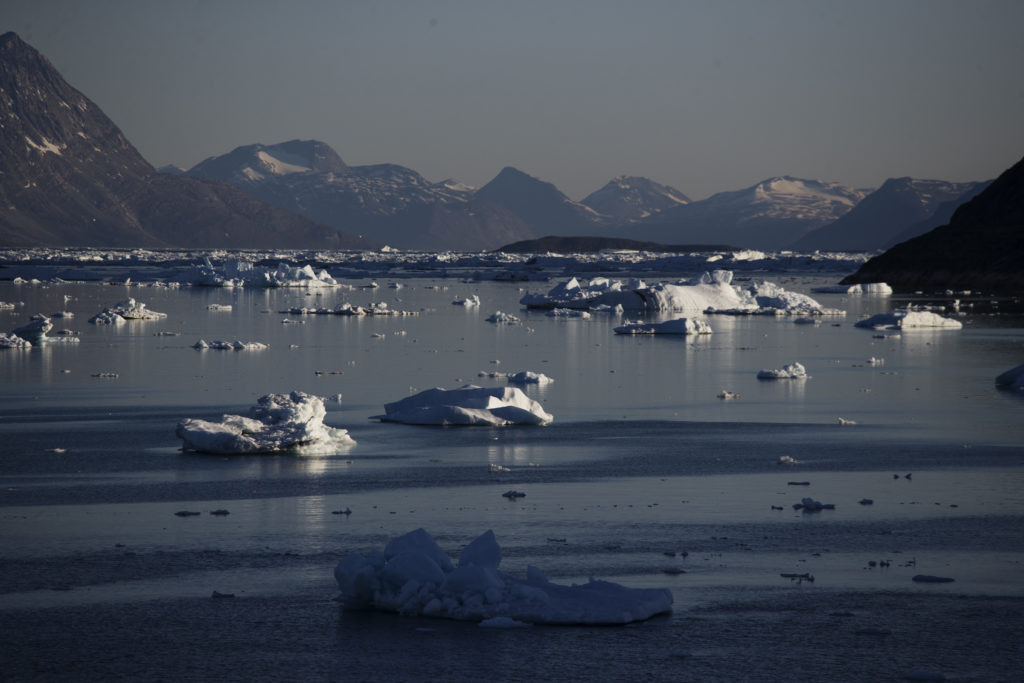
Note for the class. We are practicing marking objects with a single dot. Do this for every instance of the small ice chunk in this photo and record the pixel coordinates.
(792, 371)
(469, 301)
(529, 377)
(230, 346)
(677, 326)
(13, 341)
(503, 318)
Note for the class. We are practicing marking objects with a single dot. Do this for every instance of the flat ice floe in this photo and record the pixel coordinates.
(414, 577)
(277, 423)
(469, 405)
(230, 346)
(712, 292)
(677, 326)
(867, 288)
(905, 318)
(791, 371)
(128, 309)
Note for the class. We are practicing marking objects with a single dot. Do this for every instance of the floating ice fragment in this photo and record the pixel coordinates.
(870, 288)
(503, 318)
(568, 313)
(529, 377)
(677, 326)
(906, 318)
(413, 576)
(128, 309)
(230, 346)
(469, 405)
(792, 371)
(13, 341)
(844, 422)
(811, 505)
(730, 396)
(787, 460)
(513, 494)
(279, 422)
(469, 301)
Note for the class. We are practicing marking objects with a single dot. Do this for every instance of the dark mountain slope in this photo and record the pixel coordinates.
(982, 247)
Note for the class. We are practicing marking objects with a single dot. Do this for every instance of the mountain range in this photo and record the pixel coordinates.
(982, 246)
(69, 177)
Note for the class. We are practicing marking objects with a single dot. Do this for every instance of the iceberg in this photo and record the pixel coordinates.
(34, 333)
(711, 292)
(1012, 379)
(129, 309)
(468, 302)
(500, 318)
(413, 576)
(677, 326)
(277, 423)
(908, 318)
(868, 288)
(792, 371)
(469, 405)
(529, 377)
(237, 273)
(230, 346)
(13, 341)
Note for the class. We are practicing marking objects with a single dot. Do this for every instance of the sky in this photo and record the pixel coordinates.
(705, 96)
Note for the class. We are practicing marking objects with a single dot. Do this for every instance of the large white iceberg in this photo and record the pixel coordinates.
(278, 422)
(677, 326)
(413, 576)
(711, 292)
(907, 318)
(469, 405)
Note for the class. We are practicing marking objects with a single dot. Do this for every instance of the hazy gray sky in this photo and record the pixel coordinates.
(705, 96)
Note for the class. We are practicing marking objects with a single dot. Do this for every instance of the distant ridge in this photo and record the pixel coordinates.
(587, 245)
(982, 247)
(69, 177)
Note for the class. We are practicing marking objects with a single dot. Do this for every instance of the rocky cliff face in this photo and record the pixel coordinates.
(69, 177)
(982, 247)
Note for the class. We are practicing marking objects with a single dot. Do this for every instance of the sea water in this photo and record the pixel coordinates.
(645, 476)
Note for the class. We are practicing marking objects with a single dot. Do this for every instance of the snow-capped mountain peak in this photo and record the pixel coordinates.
(629, 198)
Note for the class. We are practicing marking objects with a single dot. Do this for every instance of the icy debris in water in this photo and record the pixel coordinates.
(128, 309)
(792, 371)
(799, 578)
(907, 318)
(414, 577)
(219, 307)
(811, 505)
(496, 468)
(875, 361)
(13, 341)
(106, 375)
(806, 320)
(230, 346)
(277, 423)
(844, 422)
(871, 288)
(787, 460)
(684, 326)
(221, 512)
(468, 302)
(726, 395)
(503, 318)
(469, 405)
(568, 313)
(529, 377)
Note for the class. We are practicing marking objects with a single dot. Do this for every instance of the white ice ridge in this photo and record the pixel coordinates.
(868, 288)
(792, 371)
(237, 273)
(677, 326)
(413, 576)
(278, 422)
(129, 309)
(906, 318)
(1012, 379)
(710, 293)
(469, 405)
